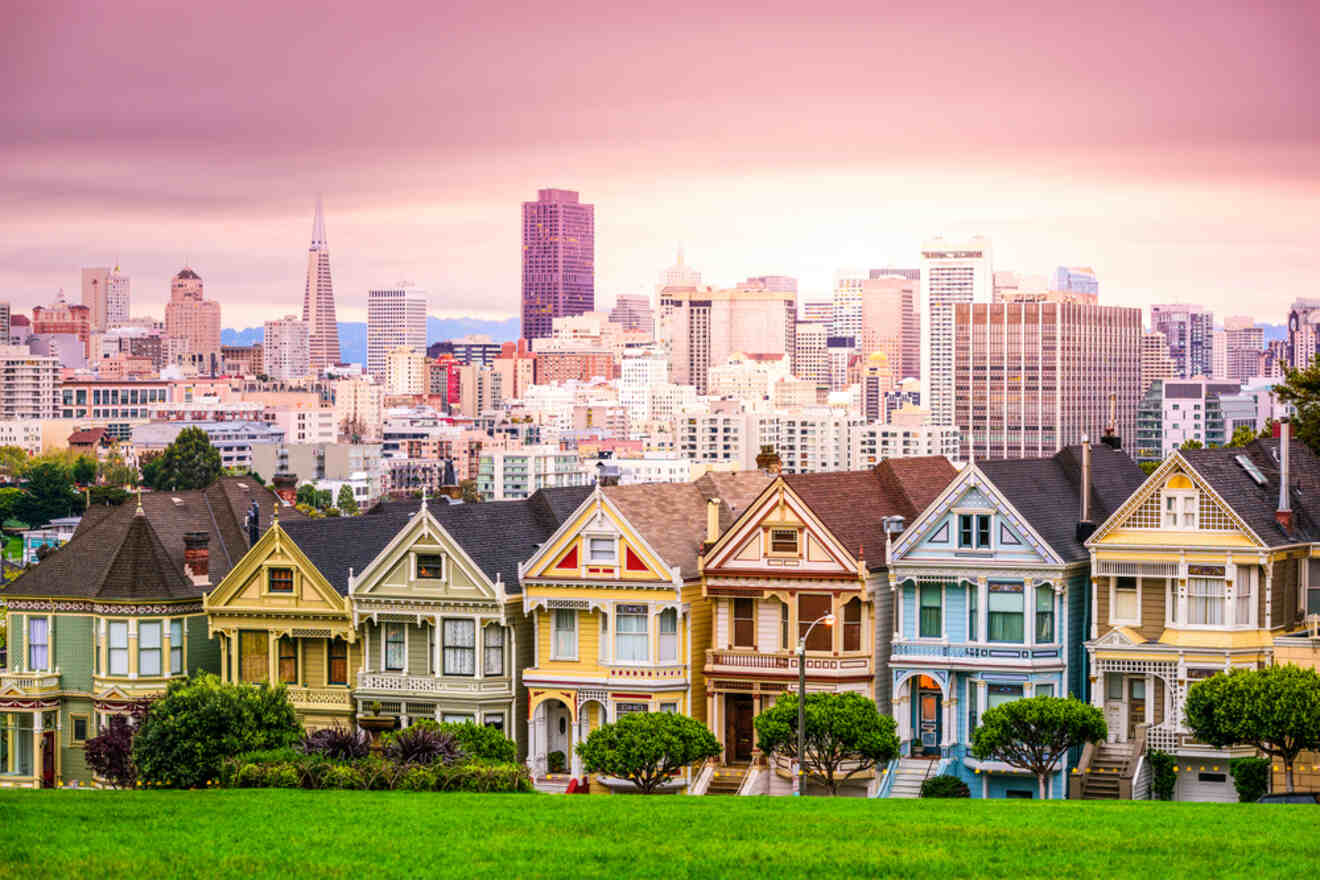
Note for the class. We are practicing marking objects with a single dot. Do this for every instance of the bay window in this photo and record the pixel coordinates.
(1044, 615)
(118, 660)
(931, 618)
(394, 647)
(852, 625)
(564, 642)
(1205, 601)
(744, 623)
(1127, 608)
(1005, 607)
(811, 609)
(460, 646)
(668, 635)
(149, 636)
(631, 639)
(493, 642)
(38, 644)
(176, 647)
(288, 660)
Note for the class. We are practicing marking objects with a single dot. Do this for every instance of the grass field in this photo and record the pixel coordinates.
(289, 834)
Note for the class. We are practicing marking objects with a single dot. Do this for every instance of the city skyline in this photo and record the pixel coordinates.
(1089, 150)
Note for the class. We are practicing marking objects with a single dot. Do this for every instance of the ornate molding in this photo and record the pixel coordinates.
(105, 609)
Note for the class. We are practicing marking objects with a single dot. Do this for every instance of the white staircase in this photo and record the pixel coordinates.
(908, 776)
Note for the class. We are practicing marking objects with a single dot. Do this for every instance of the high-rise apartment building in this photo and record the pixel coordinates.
(105, 292)
(1031, 378)
(395, 316)
(319, 299)
(559, 260)
(5, 309)
(406, 371)
(952, 273)
(847, 317)
(818, 311)
(1243, 344)
(286, 351)
(1078, 279)
(1155, 361)
(890, 323)
(1190, 332)
(1303, 333)
(811, 357)
(703, 326)
(31, 384)
(632, 311)
(192, 322)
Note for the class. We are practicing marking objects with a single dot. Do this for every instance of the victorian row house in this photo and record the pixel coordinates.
(618, 621)
(111, 618)
(1204, 569)
(990, 587)
(804, 566)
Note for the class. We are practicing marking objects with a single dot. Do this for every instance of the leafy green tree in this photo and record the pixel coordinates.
(1148, 467)
(646, 748)
(49, 493)
(83, 470)
(324, 498)
(1034, 734)
(201, 721)
(845, 735)
(346, 503)
(114, 471)
(13, 461)
(10, 498)
(1242, 435)
(1192, 444)
(1275, 709)
(1301, 388)
(190, 462)
(306, 494)
(111, 496)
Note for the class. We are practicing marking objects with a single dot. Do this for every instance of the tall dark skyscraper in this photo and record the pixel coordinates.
(559, 260)
(319, 299)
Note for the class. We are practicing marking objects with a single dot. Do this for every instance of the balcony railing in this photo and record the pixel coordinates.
(734, 660)
(31, 682)
(982, 652)
(399, 683)
(320, 698)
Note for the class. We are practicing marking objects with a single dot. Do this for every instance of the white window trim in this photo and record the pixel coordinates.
(614, 546)
(384, 646)
(1114, 619)
(651, 621)
(554, 635)
(955, 528)
(1180, 494)
(943, 637)
(444, 565)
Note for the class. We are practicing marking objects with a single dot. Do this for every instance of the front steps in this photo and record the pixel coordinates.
(908, 776)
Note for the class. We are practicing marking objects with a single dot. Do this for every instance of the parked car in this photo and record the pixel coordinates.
(1291, 797)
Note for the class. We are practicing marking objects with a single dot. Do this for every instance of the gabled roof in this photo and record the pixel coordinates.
(1047, 491)
(854, 504)
(115, 555)
(1255, 503)
(340, 545)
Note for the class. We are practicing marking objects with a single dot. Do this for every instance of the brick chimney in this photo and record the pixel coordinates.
(1283, 515)
(197, 556)
(286, 486)
(768, 461)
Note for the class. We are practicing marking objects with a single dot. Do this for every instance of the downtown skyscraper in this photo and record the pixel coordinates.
(952, 273)
(396, 316)
(319, 300)
(558, 260)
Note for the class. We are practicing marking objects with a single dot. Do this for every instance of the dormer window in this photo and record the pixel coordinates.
(430, 566)
(974, 531)
(1180, 504)
(784, 541)
(602, 549)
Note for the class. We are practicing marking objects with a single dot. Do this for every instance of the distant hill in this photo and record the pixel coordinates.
(353, 334)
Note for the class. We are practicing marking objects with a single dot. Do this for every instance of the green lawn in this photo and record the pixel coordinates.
(292, 834)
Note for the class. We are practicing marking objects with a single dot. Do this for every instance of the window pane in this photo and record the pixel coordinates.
(852, 625)
(338, 653)
(176, 647)
(1205, 601)
(288, 661)
(973, 595)
(965, 530)
(430, 567)
(460, 643)
(37, 643)
(601, 549)
(253, 648)
(394, 646)
(1044, 614)
(931, 616)
(281, 580)
(494, 644)
(783, 541)
(1125, 599)
(982, 530)
(810, 609)
(118, 649)
(565, 633)
(149, 635)
(631, 642)
(999, 694)
(744, 623)
(1044, 690)
(668, 635)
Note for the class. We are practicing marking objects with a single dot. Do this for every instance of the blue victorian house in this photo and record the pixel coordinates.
(991, 604)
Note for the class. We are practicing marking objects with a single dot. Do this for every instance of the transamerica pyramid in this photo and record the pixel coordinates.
(319, 299)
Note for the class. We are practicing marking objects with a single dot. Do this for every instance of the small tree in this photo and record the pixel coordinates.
(306, 494)
(13, 461)
(1301, 388)
(1242, 435)
(1034, 734)
(467, 492)
(1275, 709)
(110, 752)
(84, 470)
(1192, 444)
(202, 720)
(49, 493)
(646, 748)
(845, 735)
(346, 502)
(190, 462)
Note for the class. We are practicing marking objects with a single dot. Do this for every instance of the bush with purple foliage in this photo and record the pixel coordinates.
(423, 743)
(337, 743)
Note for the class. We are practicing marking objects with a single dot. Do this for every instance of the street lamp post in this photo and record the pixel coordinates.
(828, 620)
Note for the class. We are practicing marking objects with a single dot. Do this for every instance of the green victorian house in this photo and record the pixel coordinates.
(109, 619)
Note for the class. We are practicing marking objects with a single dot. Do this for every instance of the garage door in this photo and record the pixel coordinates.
(1205, 785)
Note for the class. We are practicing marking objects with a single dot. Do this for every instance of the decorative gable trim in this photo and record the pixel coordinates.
(423, 529)
(275, 539)
(596, 517)
(777, 505)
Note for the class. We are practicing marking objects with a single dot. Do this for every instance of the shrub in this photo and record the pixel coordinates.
(555, 762)
(283, 776)
(422, 744)
(945, 786)
(343, 776)
(416, 779)
(252, 776)
(482, 743)
(483, 778)
(337, 743)
(1162, 775)
(285, 755)
(379, 774)
(110, 753)
(201, 720)
(1251, 778)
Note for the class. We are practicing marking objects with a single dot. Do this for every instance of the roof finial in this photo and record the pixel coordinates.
(423, 496)
(275, 512)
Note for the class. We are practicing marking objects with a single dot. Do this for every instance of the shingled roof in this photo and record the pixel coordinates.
(117, 555)
(854, 504)
(1256, 503)
(1047, 491)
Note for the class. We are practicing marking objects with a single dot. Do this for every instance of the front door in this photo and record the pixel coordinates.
(929, 723)
(48, 759)
(739, 739)
(1136, 706)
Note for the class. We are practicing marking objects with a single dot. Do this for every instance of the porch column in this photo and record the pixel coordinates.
(983, 609)
(575, 762)
(897, 591)
(980, 697)
(903, 710)
(1150, 698)
(224, 658)
(949, 707)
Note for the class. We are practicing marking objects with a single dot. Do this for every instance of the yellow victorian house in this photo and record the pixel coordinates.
(283, 617)
(619, 624)
(1199, 572)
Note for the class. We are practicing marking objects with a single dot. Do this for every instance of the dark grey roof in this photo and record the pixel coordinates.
(338, 545)
(1047, 491)
(1256, 504)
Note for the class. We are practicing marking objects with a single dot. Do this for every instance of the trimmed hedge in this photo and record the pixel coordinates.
(945, 786)
(290, 769)
(1163, 777)
(1251, 778)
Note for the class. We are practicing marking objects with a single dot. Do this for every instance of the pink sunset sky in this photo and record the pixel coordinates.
(1173, 146)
